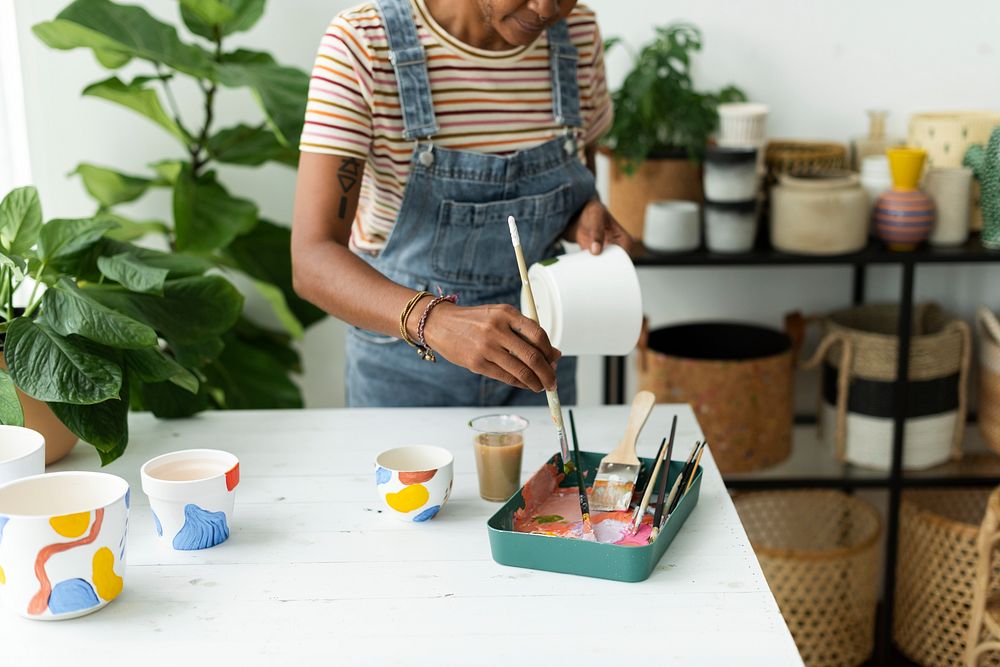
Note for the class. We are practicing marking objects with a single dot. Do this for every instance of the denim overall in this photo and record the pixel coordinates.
(452, 230)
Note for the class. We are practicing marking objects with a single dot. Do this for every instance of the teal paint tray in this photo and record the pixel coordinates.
(588, 559)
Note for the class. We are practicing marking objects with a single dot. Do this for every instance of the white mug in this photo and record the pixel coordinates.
(22, 453)
(672, 225)
(588, 304)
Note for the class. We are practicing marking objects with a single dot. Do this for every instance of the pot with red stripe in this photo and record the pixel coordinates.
(904, 216)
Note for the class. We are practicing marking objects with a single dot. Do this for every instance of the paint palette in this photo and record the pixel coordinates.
(555, 552)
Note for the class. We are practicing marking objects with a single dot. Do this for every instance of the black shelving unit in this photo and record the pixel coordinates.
(893, 482)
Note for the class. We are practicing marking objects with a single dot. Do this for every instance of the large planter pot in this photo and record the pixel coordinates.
(819, 214)
(669, 177)
(59, 440)
(738, 379)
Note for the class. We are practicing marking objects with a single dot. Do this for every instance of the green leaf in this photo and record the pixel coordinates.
(190, 310)
(110, 187)
(180, 265)
(51, 367)
(130, 230)
(200, 16)
(198, 353)
(104, 425)
(11, 413)
(276, 299)
(137, 97)
(250, 146)
(281, 91)
(15, 265)
(250, 378)
(20, 220)
(168, 170)
(69, 310)
(152, 365)
(265, 253)
(60, 238)
(133, 273)
(119, 32)
(168, 401)
(206, 217)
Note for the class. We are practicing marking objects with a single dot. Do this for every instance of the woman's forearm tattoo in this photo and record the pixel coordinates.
(348, 176)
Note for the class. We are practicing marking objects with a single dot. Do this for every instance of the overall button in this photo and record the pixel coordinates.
(569, 146)
(426, 158)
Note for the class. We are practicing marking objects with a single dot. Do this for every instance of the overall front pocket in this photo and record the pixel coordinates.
(472, 242)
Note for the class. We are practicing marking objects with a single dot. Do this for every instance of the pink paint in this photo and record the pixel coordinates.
(558, 515)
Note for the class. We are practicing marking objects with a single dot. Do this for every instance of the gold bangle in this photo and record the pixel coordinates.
(405, 315)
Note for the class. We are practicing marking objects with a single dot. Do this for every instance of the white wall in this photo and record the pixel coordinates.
(818, 65)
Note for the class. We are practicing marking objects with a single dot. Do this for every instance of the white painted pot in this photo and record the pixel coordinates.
(742, 124)
(588, 304)
(414, 482)
(730, 227)
(22, 453)
(672, 225)
(951, 190)
(62, 543)
(192, 495)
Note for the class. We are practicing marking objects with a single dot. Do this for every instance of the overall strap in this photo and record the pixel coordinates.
(410, 64)
(562, 65)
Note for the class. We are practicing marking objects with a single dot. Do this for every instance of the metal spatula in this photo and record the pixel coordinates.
(618, 470)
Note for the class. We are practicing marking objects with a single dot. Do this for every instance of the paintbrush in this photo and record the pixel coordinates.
(640, 509)
(687, 474)
(660, 497)
(694, 466)
(675, 493)
(588, 528)
(665, 503)
(555, 408)
(618, 471)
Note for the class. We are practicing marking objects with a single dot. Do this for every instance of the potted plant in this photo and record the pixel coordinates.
(661, 126)
(251, 365)
(103, 325)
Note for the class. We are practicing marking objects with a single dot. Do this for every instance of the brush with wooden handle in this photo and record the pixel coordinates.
(555, 408)
(640, 509)
(619, 470)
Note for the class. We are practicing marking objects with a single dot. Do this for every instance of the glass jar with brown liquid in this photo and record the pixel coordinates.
(499, 444)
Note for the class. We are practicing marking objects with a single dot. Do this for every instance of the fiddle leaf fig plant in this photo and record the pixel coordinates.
(105, 324)
(657, 109)
(246, 365)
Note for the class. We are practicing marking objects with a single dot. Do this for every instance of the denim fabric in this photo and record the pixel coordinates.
(452, 234)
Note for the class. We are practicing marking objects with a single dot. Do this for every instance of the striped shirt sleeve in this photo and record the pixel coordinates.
(339, 111)
(599, 113)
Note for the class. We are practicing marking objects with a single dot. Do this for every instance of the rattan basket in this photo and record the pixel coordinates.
(802, 157)
(989, 377)
(936, 575)
(819, 553)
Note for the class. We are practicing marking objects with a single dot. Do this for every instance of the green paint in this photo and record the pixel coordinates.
(548, 518)
(549, 262)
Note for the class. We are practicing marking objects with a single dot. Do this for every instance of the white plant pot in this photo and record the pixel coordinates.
(414, 483)
(588, 304)
(22, 453)
(672, 225)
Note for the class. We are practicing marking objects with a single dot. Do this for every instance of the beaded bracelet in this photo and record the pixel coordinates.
(405, 315)
(423, 349)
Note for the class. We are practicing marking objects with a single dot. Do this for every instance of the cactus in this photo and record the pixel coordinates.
(985, 164)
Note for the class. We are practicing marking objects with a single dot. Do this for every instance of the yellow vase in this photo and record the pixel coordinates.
(906, 165)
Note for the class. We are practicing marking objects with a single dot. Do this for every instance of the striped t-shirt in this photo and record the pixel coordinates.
(495, 102)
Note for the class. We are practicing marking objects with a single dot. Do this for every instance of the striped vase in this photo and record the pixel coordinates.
(904, 216)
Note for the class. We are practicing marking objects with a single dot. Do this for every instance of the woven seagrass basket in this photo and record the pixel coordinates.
(989, 377)
(819, 554)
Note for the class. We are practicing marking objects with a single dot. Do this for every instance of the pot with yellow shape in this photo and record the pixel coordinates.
(904, 216)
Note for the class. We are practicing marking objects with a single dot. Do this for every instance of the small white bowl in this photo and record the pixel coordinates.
(62, 543)
(192, 494)
(22, 453)
(414, 482)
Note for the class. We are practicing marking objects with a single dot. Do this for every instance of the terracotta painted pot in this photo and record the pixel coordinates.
(59, 440)
(904, 216)
(653, 179)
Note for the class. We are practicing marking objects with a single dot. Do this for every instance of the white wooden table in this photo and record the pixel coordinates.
(314, 573)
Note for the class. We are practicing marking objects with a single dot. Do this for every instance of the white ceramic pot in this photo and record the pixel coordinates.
(742, 124)
(819, 214)
(22, 453)
(414, 482)
(730, 227)
(875, 177)
(951, 190)
(730, 174)
(62, 543)
(672, 225)
(588, 304)
(192, 495)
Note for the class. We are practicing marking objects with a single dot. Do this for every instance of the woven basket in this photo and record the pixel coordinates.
(989, 378)
(936, 576)
(819, 554)
(803, 157)
(857, 395)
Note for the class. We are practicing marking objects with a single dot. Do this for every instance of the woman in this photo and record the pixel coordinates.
(428, 123)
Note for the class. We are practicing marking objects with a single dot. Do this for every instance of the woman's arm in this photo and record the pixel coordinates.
(493, 340)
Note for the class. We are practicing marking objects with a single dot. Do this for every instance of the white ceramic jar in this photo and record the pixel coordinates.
(742, 124)
(951, 190)
(730, 227)
(730, 174)
(819, 214)
(875, 176)
(672, 225)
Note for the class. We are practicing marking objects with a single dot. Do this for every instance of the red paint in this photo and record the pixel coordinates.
(233, 477)
(40, 602)
(418, 477)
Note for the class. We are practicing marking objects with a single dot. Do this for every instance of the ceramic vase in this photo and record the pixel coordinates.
(819, 214)
(986, 165)
(951, 189)
(904, 216)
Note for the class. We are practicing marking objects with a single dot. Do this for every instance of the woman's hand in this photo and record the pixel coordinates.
(494, 340)
(595, 227)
